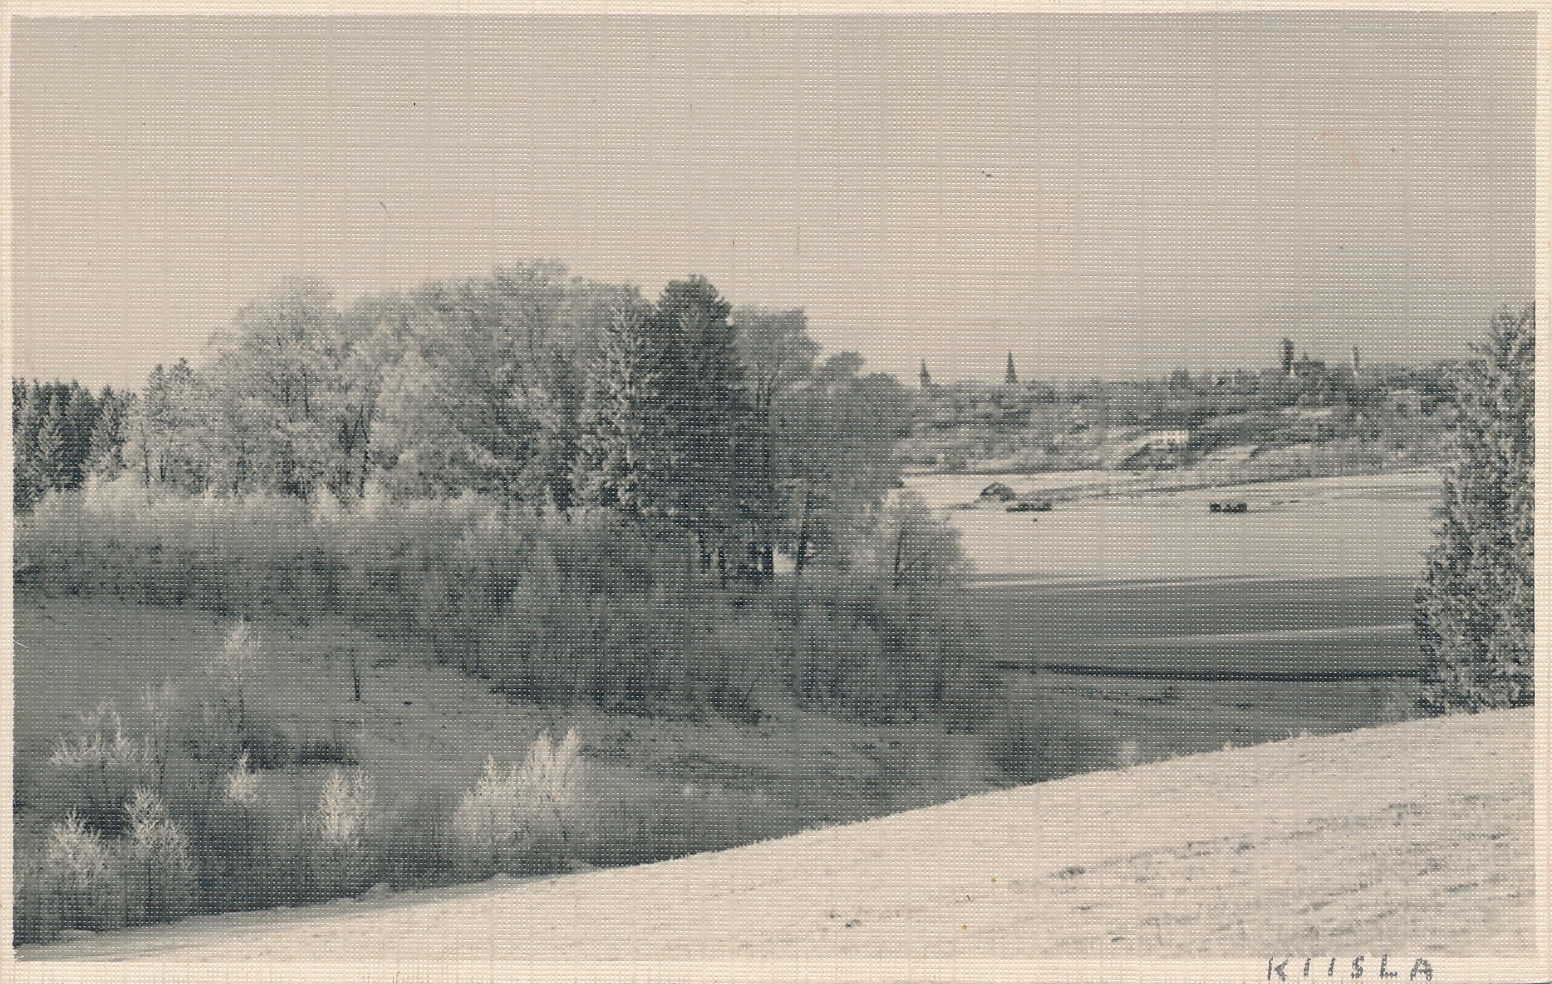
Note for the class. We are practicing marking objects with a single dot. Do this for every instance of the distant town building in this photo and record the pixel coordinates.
(1406, 402)
(1164, 440)
(1308, 368)
(1011, 376)
(926, 377)
(1170, 440)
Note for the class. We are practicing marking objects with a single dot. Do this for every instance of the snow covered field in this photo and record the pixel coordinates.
(1413, 841)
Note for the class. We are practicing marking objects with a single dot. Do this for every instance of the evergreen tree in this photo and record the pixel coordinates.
(1475, 606)
(700, 397)
(109, 434)
(80, 418)
(25, 421)
(1011, 376)
(48, 447)
(615, 465)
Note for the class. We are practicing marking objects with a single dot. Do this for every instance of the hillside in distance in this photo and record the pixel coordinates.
(1308, 421)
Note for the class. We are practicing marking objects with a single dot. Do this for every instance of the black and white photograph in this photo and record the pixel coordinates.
(771, 492)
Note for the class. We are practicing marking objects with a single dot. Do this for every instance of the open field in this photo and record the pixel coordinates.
(1162, 624)
(1222, 628)
(1413, 841)
(1110, 526)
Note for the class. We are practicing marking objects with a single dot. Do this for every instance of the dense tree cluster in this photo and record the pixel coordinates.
(62, 433)
(552, 391)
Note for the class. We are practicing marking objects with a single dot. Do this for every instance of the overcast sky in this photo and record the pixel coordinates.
(1099, 194)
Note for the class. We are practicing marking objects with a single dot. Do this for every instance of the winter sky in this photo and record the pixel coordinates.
(1099, 194)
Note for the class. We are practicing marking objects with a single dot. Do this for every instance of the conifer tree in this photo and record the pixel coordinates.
(27, 418)
(1475, 610)
(700, 396)
(49, 446)
(615, 465)
(109, 435)
(1011, 376)
(79, 418)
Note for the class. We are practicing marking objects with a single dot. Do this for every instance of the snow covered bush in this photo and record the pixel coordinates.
(526, 810)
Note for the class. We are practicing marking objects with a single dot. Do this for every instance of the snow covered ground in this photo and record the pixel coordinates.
(1412, 841)
(1115, 529)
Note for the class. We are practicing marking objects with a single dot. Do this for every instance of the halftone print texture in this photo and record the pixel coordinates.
(1023, 495)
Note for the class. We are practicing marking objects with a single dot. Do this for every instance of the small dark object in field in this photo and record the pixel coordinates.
(998, 492)
(1227, 507)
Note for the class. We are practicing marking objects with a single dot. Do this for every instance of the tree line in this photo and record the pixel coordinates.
(61, 434)
(549, 390)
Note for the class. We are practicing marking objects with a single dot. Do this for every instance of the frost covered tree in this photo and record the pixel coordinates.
(1475, 609)
(615, 465)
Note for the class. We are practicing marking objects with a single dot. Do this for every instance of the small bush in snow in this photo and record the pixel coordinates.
(97, 766)
(76, 853)
(242, 783)
(344, 808)
(528, 806)
(340, 855)
(158, 870)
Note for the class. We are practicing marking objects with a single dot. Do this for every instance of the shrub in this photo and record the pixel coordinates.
(345, 808)
(522, 816)
(94, 770)
(646, 820)
(1031, 740)
(548, 607)
(70, 884)
(246, 837)
(421, 852)
(220, 719)
(242, 784)
(158, 869)
(223, 720)
(341, 856)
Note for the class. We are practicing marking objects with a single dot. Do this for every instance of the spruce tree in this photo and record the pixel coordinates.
(615, 464)
(1011, 376)
(109, 435)
(702, 401)
(1475, 609)
(49, 447)
(79, 418)
(26, 420)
